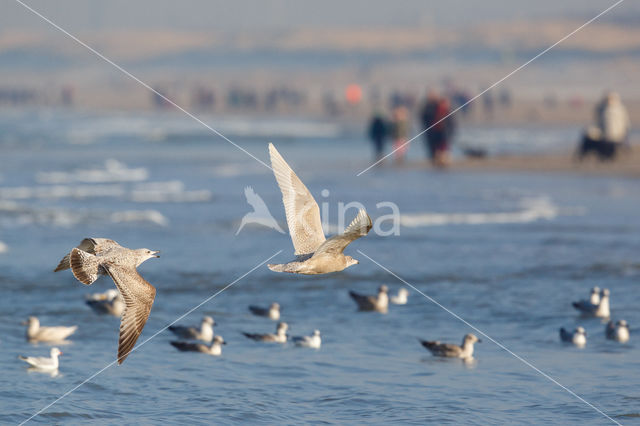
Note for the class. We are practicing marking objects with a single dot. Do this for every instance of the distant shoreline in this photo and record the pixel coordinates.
(627, 164)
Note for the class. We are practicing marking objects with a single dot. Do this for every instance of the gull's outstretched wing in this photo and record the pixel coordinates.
(359, 227)
(303, 214)
(138, 297)
(89, 245)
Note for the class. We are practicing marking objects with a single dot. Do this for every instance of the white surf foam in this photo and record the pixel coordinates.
(532, 209)
(113, 171)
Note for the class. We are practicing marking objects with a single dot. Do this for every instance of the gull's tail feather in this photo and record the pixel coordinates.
(64, 264)
(84, 266)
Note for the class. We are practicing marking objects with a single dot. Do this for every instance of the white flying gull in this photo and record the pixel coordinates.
(315, 254)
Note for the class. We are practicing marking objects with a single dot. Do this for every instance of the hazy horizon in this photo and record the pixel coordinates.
(247, 16)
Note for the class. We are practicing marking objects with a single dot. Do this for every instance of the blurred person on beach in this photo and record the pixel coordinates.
(611, 131)
(435, 117)
(378, 132)
(399, 131)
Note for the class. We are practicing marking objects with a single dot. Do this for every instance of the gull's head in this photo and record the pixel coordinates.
(282, 327)
(144, 254)
(581, 330)
(55, 352)
(351, 261)
(596, 289)
(471, 338)
(383, 289)
(275, 306)
(622, 323)
(604, 292)
(112, 293)
(31, 321)
(403, 292)
(219, 340)
(316, 333)
(208, 320)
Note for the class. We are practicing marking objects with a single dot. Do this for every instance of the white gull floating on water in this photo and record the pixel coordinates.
(272, 312)
(578, 336)
(44, 363)
(102, 256)
(379, 303)
(401, 297)
(37, 333)
(314, 341)
(110, 302)
(204, 333)
(450, 350)
(215, 348)
(618, 331)
(599, 310)
(279, 337)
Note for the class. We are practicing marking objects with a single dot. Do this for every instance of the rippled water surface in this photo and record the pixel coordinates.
(507, 252)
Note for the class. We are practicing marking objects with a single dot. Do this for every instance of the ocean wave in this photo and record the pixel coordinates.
(113, 171)
(148, 192)
(152, 216)
(167, 192)
(531, 210)
(12, 214)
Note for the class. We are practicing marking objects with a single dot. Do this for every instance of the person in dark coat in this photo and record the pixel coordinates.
(435, 117)
(378, 132)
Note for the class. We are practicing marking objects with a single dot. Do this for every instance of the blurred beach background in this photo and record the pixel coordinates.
(506, 241)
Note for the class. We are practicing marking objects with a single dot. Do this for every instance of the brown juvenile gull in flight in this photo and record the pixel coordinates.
(450, 350)
(315, 254)
(101, 256)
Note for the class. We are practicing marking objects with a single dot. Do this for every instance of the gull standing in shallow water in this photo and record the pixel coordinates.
(110, 302)
(36, 333)
(599, 310)
(450, 350)
(279, 337)
(205, 333)
(401, 297)
(379, 303)
(618, 331)
(315, 254)
(272, 312)
(578, 337)
(43, 363)
(101, 256)
(314, 341)
(215, 348)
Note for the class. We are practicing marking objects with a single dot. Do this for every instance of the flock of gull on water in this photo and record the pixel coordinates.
(133, 299)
